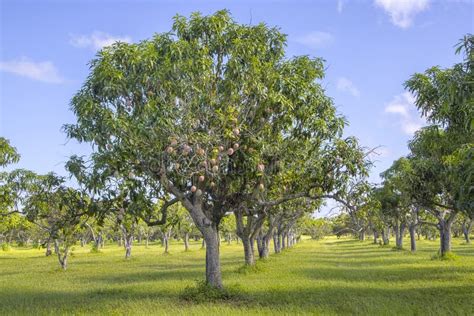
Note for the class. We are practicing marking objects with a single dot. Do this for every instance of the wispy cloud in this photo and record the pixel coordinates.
(340, 5)
(345, 85)
(97, 40)
(403, 107)
(316, 39)
(403, 12)
(41, 71)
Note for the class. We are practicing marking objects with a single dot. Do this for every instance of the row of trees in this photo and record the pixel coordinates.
(432, 188)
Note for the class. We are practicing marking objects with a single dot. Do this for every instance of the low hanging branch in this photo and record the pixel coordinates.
(164, 214)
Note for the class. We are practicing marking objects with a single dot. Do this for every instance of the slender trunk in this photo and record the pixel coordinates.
(229, 238)
(276, 243)
(386, 235)
(260, 244)
(283, 241)
(127, 240)
(445, 236)
(412, 230)
(466, 230)
(266, 246)
(400, 231)
(203, 245)
(128, 252)
(362, 235)
(61, 258)
(376, 235)
(48, 248)
(186, 241)
(248, 251)
(166, 242)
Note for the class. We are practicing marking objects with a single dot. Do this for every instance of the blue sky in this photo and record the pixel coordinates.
(371, 47)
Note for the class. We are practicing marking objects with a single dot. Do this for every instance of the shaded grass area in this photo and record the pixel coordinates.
(327, 277)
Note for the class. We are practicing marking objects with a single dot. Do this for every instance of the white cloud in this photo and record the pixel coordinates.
(97, 40)
(403, 12)
(403, 106)
(345, 85)
(316, 39)
(41, 71)
(340, 5)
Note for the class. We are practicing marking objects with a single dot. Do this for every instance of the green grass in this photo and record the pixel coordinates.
(316, 277)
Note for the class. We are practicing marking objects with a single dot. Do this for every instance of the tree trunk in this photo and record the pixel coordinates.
(248, 251)
(283, 241)
(61, 258)
(399, 232)
(386, 235)
(376, 235)
(466, 230)
(186, 241)
(48, 249)
(412, 230)
(203, 245)
(445, 236)
(276, 243)
(260, 244)
(213, 266)
(128, 240)
(166, 242)
(362, 235)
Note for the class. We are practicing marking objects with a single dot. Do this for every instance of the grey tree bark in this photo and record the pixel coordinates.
(48, 249)
(276, 242)
(127, 240)
(445, 236)
(412, 230)
(186, 241)
(62, 258)
(213, 265)
(466, 229)
(399, 233)
(376, 236)
(386, 235)
(249, 231)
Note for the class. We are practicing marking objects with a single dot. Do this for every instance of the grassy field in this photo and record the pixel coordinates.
(316, 277)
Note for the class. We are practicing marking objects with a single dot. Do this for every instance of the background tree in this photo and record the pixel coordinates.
(442, 153)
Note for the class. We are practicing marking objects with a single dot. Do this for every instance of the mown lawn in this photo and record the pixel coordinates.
(316, 277)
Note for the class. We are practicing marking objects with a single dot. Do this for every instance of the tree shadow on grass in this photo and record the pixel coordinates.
(369, 301)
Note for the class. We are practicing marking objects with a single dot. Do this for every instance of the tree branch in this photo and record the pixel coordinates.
(164, 214)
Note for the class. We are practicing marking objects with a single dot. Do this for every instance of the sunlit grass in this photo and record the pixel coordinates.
(316, 277)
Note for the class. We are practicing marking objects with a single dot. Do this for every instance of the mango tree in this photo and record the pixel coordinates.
(202, 109)
(442, 154)
(57, 209)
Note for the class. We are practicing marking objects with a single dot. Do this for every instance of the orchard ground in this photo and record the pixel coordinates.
(331, 276)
